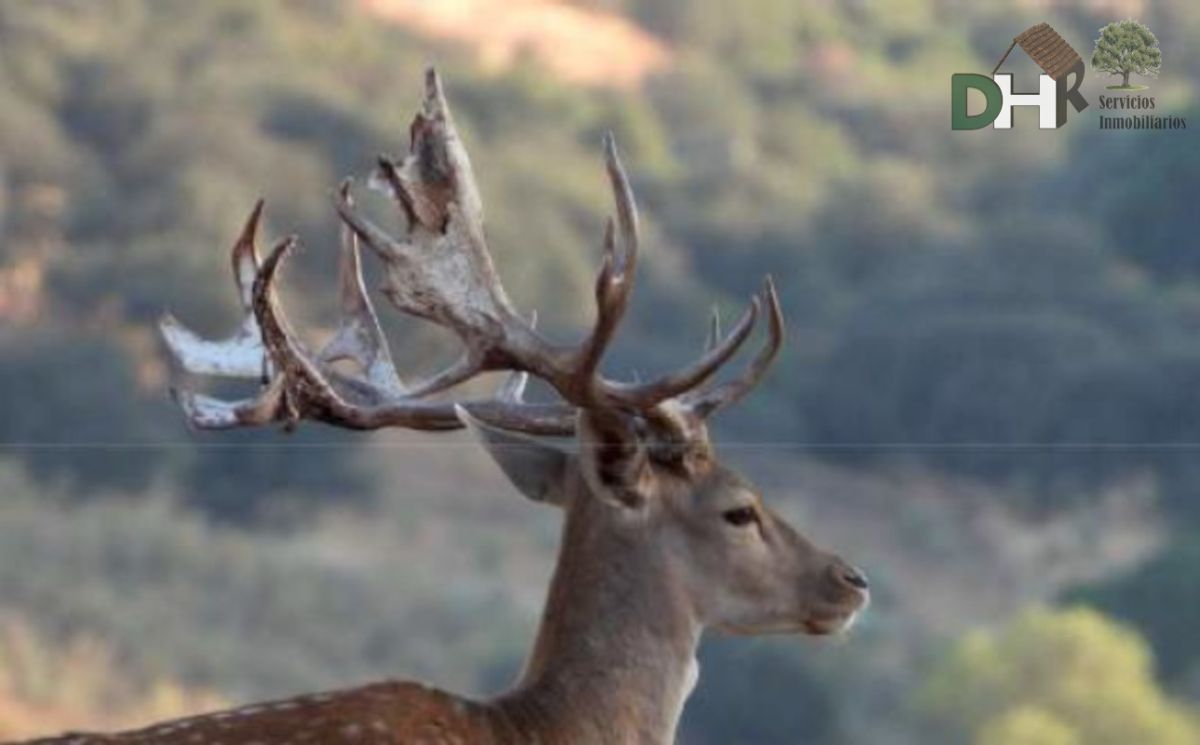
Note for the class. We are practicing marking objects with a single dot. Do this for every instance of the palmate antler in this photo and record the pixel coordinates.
(441, 270)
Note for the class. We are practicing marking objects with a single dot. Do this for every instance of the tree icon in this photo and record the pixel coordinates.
(1125, 47)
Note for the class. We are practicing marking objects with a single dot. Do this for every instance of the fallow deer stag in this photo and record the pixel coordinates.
(660, 541)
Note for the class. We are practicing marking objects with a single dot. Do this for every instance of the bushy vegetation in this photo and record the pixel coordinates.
(78, 683)
(253, 616)
(1162, 599)
(1053, 678)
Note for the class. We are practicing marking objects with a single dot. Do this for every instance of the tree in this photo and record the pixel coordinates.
(1028, 725)
(1126, 47)
(756, 678)
(1053, 677)
(79, 682)
(1170, 628)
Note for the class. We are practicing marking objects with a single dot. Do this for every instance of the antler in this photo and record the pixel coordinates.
(441, 270)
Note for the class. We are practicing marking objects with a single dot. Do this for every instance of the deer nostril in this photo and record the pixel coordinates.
(852, 576)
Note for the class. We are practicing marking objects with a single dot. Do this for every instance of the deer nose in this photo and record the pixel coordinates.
(850, 575)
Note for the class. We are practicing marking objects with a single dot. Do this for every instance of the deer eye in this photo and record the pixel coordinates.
(740, 517)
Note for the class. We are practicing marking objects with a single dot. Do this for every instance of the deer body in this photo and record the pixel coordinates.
(660, 543)
(613, 663)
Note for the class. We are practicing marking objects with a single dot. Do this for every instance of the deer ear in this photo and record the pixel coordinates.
(536, 468)
(613, 458)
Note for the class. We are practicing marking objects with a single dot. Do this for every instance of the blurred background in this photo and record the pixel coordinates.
(990, 398)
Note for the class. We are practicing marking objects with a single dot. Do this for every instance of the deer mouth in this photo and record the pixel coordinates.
(829, 625)
(826, 623)
(836, 619)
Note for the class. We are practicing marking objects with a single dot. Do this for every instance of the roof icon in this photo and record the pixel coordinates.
(1044, 46)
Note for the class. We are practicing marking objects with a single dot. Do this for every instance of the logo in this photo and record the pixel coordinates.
(1127, 47)
(1058, 85)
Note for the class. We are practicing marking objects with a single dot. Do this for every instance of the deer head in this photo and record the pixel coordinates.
(672, 506)
(659, 534)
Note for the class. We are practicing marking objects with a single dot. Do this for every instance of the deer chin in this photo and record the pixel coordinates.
(837, 620)
(829, 625)
(817, 624)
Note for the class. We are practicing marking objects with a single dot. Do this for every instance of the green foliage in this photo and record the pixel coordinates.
(1051, 677)
(808, 147)
(1137, 194)
(1006, 292)
(1125, 47)
(251, 615)
(763, 675)
(1028, 725)
(95, 415)
(75, 684)
(1162, 599)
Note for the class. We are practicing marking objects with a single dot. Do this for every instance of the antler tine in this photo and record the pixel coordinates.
(206, 412)
(649, 394)
(614, 285)
(706, 402)
(359, 336)
(714, 330)
(456, 163)
(244, 257)
(240, 355)
(386, 247)
(614, 282)
(437, 170)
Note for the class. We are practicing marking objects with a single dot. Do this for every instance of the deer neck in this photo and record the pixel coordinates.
(615, 656)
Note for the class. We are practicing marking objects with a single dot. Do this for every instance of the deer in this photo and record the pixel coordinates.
(661, 542)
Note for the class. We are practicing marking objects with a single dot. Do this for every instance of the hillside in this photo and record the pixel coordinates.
(986, 397)
(577, 44)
